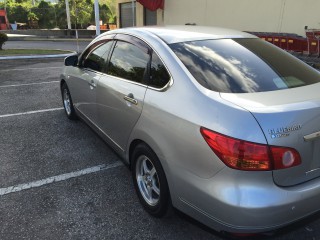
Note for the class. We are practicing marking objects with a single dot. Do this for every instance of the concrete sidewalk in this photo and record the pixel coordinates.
(24, 37)
(72, 45)
(22, 34)
(23, 41)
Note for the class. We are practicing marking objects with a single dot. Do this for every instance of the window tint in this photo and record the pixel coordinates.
(129, 62)
(96, 60)
(159, 76)
(243, 65)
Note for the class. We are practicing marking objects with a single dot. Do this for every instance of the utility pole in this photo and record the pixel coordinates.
(97, 17)
(133, 13)
(68, 14)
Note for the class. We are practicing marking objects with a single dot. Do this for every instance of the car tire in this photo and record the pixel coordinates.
(150, 181)
(67, 102)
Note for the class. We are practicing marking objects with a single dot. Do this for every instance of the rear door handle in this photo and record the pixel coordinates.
(312, 136)
(130, 98)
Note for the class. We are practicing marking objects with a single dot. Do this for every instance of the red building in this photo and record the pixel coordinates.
(4, 23)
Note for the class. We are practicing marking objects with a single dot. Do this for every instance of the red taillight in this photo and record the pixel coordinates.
(284, 157)
(243, 155)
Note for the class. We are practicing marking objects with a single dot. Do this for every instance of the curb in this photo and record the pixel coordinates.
(38, 56)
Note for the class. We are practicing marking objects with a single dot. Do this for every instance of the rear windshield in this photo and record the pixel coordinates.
(243, 65)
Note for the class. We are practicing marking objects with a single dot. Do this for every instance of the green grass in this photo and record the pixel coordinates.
(23, 52)
(317, 66)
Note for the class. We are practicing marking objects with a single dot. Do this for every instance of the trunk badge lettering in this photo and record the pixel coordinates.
(283, 131)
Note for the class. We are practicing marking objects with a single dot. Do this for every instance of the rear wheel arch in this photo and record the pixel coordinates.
(142, 137)
(133, 145)
(62, 82)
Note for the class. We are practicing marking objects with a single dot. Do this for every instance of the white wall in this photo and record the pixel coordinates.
(247, 15)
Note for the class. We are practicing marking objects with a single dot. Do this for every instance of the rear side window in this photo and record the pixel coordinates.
(159, 76)
(243, 65)
(129, 62)
(97, 58)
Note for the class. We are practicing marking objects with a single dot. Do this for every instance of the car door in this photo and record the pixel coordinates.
(121, 90)
(87, 76)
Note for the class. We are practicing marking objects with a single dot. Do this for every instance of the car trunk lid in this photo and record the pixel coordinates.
(288, 118)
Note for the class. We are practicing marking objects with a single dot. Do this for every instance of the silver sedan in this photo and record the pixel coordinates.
(216, 123)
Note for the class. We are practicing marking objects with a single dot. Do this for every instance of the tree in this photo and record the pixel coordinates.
(111, 5)
(3, 39)
(32, 16)
(80, 12)
(46, 14)
(18, 10)
(61, 15)
(103, 13)
(51, 15)
(112, 17)
(17, 13)
(113, 12)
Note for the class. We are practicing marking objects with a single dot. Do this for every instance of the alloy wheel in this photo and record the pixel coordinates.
(147, 180)
(66, 101)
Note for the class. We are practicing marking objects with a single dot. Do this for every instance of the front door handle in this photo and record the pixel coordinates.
(130, 98)
(92, 84)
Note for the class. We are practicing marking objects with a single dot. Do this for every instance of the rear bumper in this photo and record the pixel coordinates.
(248, 202)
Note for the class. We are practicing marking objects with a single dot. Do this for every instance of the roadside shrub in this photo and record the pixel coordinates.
(3, 39)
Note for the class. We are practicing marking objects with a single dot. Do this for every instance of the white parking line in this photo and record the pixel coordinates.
(27, 84)
(30, 112)
(58, 178)
(25, 69)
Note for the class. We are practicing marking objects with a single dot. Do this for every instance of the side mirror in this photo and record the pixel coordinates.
(71, 60)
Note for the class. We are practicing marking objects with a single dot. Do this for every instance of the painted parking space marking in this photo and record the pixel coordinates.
(27, 69)
(58, 178)
(27, 84)
(30, 112)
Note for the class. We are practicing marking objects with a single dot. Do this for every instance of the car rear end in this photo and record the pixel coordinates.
(267, 186)
(266, 182)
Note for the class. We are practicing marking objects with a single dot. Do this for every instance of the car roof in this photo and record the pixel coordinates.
(184, 33)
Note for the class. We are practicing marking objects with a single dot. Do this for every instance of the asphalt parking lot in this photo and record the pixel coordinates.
(59, 180)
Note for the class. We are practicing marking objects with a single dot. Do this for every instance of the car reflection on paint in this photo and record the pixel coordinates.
(217, 123)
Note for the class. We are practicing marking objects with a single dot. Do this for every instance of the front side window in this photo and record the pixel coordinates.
(243, 65)
(129, 62)
(96, 60)
(159, 77)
